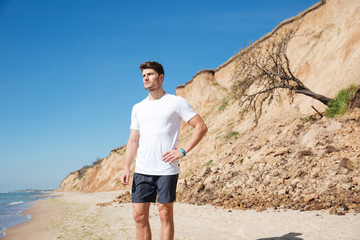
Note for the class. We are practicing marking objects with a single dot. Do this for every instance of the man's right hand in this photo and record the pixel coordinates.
(125, 177)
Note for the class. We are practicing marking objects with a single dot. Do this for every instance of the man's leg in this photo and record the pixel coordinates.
(166, 211)
(141, 217)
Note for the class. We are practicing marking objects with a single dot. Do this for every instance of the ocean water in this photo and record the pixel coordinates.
(13, 203)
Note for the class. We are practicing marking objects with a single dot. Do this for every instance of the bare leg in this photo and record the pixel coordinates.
(141, 217)
(166, 211)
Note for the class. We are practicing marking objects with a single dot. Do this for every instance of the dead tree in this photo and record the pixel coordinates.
(269, 69)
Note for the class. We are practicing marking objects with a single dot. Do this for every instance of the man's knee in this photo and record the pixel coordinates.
(140, 217)
(166, 213)
(166, 217)
(141, 213)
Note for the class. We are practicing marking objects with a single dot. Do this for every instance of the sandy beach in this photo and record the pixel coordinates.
(76, 216)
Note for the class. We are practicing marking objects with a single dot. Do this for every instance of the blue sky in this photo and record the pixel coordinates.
(69, 71)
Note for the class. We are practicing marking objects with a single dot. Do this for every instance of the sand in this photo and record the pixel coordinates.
(76, 216)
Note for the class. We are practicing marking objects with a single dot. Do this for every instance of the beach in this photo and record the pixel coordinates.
(77, 216)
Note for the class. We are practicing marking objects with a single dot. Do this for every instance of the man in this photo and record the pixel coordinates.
(154, 131)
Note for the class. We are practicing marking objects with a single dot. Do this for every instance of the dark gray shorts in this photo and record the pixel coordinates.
(145, 188)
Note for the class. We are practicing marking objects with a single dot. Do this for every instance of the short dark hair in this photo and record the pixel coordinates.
(152, 65)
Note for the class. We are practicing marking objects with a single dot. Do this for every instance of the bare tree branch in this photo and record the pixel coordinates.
(269, 69)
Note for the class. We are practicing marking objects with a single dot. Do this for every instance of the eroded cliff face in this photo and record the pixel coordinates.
(288, 155)
(103, 176)
(321, 41)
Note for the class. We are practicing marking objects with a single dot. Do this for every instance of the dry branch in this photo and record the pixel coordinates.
(268, 67)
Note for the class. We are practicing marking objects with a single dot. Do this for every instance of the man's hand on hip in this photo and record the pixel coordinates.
(172, 155)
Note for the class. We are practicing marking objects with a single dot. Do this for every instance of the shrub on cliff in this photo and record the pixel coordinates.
(81, 172)
(339, 105)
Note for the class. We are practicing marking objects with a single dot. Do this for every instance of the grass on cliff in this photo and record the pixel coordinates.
(208, 163)
(339, 105)
(224, 105)
(81, 172)
(231, 134)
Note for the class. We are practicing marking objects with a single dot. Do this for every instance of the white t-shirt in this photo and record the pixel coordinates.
(159, 122)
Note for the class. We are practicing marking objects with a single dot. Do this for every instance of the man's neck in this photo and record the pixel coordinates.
(156, 94)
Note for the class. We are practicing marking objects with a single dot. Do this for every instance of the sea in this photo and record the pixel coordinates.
(13, 203)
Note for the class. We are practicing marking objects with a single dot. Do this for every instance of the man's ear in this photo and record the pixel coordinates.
(161, 77)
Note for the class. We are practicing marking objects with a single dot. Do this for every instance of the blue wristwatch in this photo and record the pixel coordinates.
(183, 151)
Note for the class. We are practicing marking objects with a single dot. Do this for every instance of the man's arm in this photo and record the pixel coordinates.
(200, 130)
(131, 149)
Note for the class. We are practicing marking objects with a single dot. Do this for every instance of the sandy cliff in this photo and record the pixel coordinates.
(289, 159)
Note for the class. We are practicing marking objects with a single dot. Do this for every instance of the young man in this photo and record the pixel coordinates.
(154, 131)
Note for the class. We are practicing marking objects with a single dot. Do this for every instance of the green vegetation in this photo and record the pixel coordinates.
(98, 162)
(241, 85)
(82, 171)
(120, 150)
(230, 135)
(224, 105)
(339, 105)
(310, 118)
(208, 163)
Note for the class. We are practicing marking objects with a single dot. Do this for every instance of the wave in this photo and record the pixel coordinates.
(14, 203)
(2, 233)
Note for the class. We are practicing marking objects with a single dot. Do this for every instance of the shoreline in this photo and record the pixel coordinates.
(30, 212)
(76, 215)
(16, 212)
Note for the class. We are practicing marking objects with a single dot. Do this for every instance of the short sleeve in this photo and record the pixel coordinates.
(134, 121)
(184, 109)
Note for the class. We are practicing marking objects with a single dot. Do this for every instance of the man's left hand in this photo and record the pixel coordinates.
(172, 155)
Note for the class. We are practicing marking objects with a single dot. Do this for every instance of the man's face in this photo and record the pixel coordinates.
(151, 79)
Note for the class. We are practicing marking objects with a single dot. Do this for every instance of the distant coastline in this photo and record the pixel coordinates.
(33, 191)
